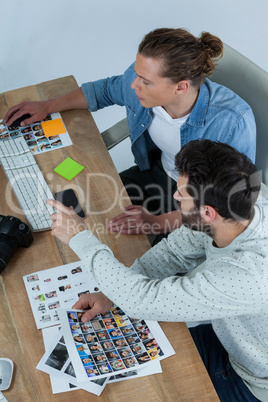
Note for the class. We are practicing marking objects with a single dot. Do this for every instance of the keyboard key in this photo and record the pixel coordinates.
(27, 182)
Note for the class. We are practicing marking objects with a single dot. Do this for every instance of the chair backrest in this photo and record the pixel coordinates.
(250, 82)
(115, 134)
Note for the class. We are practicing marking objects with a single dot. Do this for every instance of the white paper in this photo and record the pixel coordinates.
(56, 288)
(141, 372)
(57, 384)
(35, 137)
(57, 363)
(64, 383)
(97, 351)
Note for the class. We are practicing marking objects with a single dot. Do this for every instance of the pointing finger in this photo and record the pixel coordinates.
(60, 207)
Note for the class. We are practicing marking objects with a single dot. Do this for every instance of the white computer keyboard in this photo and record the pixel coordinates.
(27, 182)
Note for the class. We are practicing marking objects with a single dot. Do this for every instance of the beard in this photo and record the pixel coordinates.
(194, 221)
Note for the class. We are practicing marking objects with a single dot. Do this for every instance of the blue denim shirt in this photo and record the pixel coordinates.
(219, 115)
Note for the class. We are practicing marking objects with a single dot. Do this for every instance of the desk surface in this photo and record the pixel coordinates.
(184, 377)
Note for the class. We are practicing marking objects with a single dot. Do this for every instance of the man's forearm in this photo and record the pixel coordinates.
(71, 100)
(170, 221)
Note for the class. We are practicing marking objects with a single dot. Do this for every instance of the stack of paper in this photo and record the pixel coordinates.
(111, 347)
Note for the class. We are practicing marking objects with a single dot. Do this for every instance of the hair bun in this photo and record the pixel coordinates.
(212, 44)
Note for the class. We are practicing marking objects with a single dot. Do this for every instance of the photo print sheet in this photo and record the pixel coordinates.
(111, 343)
(57, 364)
(61, 381)
(56, 288)
(34, 135)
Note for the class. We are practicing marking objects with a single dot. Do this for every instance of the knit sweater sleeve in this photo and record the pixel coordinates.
(150, 287)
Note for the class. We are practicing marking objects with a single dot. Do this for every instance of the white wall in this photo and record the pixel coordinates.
(42, 40)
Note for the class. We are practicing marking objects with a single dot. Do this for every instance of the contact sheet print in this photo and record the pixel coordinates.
(55, 288)
(57, 364)
(34, 135)
(111, 343)
(110, 347)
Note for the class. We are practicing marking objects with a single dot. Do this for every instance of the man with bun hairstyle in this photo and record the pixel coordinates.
(169, 101)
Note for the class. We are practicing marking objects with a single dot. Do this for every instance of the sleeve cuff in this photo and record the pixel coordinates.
(82, 242)
(89, 93)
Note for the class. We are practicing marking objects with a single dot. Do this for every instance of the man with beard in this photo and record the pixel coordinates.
(213, 268)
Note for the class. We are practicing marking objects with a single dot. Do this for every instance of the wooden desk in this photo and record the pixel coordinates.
(184, 377)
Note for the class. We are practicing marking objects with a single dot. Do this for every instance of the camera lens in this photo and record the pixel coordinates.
(7, 249)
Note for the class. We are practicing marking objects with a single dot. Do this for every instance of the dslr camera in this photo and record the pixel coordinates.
(13, 234)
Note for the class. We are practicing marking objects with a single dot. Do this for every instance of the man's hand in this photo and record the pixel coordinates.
(96, 302)
(40, 109)
(135, 220)
(66, 223)
(37, 110)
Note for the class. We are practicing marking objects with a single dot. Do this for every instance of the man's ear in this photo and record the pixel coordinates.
(182, 86)
(208, 213)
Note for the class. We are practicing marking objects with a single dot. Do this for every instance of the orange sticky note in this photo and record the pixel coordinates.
(53, 127)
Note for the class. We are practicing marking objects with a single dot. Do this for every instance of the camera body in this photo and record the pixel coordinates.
(13, 234)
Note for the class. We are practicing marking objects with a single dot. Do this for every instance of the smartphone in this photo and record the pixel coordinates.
(69, 199)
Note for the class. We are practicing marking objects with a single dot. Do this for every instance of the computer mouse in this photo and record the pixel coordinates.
(6, 371)
(16, 123)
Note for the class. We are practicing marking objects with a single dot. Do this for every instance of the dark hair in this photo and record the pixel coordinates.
(219, 176)
(184, 56)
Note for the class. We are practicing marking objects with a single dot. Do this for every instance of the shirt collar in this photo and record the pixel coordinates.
(198, 114)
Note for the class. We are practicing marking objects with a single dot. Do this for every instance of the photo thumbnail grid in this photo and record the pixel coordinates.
(59, 360)
(33, 135)
(55, 288)
(112, 342)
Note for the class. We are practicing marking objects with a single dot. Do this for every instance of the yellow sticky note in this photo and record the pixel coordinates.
(53, 127)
